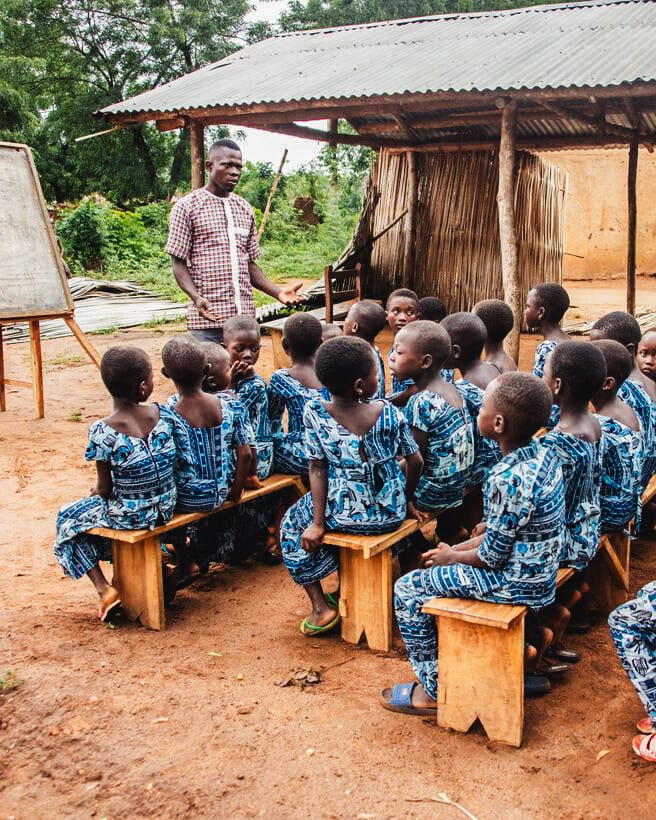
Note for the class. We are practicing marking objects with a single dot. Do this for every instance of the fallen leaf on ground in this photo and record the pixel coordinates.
(601, 754)
(161, 720)
(215, 654)
(301, 677)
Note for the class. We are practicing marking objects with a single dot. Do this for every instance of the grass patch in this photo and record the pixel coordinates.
(67, 360)
(76, 417)
(9, 682)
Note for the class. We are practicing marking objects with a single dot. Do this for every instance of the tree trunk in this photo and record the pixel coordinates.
(143, 149)
(507, 232)
(178, 164)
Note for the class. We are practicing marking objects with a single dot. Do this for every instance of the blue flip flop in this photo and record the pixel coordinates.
(399, 699)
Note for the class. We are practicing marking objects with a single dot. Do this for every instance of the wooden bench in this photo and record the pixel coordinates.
(137, 554)
(365, 580)
(481, 665)
(608, 572)
(280, 358)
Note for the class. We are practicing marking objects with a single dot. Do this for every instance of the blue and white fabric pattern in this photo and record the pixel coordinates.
(524, 506)
(366, 486)
(449, 452)
(635, 395)
(252, 393)
(633, 630)
(621, 477)
(287, 393)
(486, 451)
(582, 468)
(542, 352)
(380, 369)
(143, 492)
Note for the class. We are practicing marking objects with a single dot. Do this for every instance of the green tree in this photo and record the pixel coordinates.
(89, 53)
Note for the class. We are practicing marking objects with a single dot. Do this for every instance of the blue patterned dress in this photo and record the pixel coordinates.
(211, 451)
(399, 386)
(252, 393)
(486, 451)
(633, 630)
(449, 452)
(286, 393)
(582, 467)
(635, 395)
(364, 496)
(143, 493)
(524, 504)
(542, 352)
(621, 477)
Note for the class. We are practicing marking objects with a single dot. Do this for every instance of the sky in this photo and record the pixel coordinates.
(264, 146)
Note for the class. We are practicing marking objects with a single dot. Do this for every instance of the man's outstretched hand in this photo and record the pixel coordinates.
(289, 295)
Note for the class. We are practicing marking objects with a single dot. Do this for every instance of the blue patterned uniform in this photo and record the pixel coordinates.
(252, 393)
(449, 452)
(364, 496)
(524, 505)
(143, 493)
(211, 451)
(400, 386)
(635, 395)
(286, 393)
(633, 629)
(621, 477)
(486, 451)
(380, 369)
(542, 352)
(582, 466)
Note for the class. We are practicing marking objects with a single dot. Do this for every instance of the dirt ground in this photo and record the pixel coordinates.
(127, 722)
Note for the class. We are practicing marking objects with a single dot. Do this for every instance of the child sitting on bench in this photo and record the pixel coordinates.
(212, 439)
(633, 630)
(290, 389)
(356, 482)
(514, 557)
(621, 478)
(135, 452)
(623, 328)
(468, 334)
(366, 319)
(440, 422)
(546, 305)
(499, 321)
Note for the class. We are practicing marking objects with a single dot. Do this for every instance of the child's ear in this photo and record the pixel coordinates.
(223, 344)
(609, 383)
(499, 424)
(631, 348)
(456, 351)
(206, 370)
(358, 386)
(557, 384)
(285, 346)
(541, 313)
(354, 328)
(426, 361)
(164, 373)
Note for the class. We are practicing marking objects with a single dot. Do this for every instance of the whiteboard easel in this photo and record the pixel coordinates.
(33, 284)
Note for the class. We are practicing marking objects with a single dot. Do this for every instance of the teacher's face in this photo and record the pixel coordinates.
(224, 167)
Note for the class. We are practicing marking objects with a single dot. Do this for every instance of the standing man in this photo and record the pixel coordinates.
(213, 244)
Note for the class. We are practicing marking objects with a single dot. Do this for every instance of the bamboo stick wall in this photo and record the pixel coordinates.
(457, 254)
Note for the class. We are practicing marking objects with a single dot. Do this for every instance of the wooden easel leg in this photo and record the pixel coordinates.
(365, 601)
(138, 577)
(3, 402)
(37, 367)
(481, 675)
(89, 349)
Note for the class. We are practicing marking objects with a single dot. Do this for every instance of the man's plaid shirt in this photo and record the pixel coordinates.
(198, 233)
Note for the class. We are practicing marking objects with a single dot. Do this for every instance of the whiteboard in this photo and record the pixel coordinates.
(32, 278)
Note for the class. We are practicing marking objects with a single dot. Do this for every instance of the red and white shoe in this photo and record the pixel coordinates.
(645, 746)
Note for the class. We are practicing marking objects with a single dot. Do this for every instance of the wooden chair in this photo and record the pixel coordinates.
(343, 277)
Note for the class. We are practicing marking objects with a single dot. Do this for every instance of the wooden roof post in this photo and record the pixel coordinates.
(197, 137)
(409, 256)
(631, 228)
(507, 232)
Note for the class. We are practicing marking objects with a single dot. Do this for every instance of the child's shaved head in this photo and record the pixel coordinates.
(467, 331)
(370, 318)
(523, 400)
(184, 361)
(619, 363)
(427, 337)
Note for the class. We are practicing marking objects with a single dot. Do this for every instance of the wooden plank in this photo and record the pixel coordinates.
(138, 577)
(86, 345)
(632, 174)
(3, 403)
(197, 141)
(37, 367)
(272, 484)
(339, 312)
(18, 383)
(507, 230)
(607, 548)
(484, 613)
(372, 545)
(564, 574)
(650, 491)
(365, 601)
(481, 675)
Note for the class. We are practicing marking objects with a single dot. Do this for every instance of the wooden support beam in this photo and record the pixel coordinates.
(170, 124)
(631, 228)
(522, 144)
(197, 138)
(594, 122)
(410, 223)
(294, 130)
(507, 230)
(37, 367)
(332, 131)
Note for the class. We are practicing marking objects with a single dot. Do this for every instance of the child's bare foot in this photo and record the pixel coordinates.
(110, 604)
(253, 483)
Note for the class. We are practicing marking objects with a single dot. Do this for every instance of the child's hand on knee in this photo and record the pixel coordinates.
(413, 512)
(312, 537)
(479, 529)
(438, 557)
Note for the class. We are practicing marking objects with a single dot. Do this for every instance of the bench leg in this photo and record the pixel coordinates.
(481, 675)
(138, 577)
(365, 601)
(608, 572)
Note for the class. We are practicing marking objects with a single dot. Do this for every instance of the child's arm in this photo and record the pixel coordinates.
(312, 536)
(401, 399)
(104, 483)
(465, 553)
(252, 481)
(414, 465)
(243, 461)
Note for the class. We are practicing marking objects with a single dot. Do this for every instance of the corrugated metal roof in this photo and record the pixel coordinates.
(591, 44)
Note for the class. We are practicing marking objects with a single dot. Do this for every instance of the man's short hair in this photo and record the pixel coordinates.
(225, 142)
